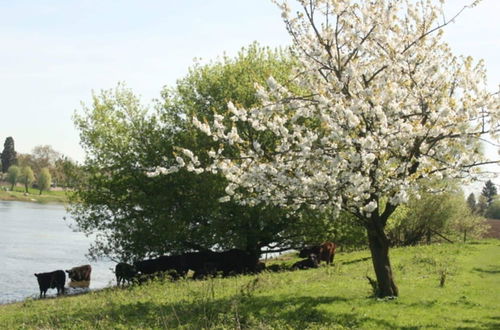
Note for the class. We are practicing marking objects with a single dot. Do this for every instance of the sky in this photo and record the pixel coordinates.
(55, 53)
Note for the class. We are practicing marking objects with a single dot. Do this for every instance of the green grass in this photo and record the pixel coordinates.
(18, 194)
(335, 297)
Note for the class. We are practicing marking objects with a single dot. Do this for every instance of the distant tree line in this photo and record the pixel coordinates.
(487, 204)
(43, 168)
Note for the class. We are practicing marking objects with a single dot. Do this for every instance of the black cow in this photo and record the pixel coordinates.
(310, 262)
(229, 262)
(174, 265)
(52, 280)
(124, 273)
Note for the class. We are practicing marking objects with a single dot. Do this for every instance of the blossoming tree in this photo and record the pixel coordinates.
(388, 105)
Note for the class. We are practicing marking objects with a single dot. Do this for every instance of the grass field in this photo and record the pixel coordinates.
(335, 297)
(18, 194)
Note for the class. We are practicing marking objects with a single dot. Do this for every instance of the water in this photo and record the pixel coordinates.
(35, 238)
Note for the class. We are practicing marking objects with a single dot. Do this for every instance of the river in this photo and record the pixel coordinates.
(36, 238)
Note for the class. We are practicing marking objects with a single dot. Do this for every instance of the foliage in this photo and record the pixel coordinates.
(44, 179)
(471, 203)
(482, 205)
(469, 226)
(381, 97)
(13, 175)
(62, 169)
(66, 172)
(180, 212)
(27, 177)
(493, 211)
(428, 217)
(324, 298)
(489, 191)
(44, 156)
(8, 155)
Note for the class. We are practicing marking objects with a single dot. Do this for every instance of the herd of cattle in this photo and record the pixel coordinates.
(202, 264)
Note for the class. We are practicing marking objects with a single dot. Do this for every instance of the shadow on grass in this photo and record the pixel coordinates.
(232, 312)
(355, 261)
(491, 270)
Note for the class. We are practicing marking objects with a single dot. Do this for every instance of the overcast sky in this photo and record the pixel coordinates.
(54, 53)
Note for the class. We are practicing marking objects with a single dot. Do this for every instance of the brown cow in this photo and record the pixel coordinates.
(79, 276)
(325, 252)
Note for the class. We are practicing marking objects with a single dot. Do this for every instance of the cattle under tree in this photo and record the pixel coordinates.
(124, 273)
(175, 266)
(51, 280)
(325, 252)
(310, 262)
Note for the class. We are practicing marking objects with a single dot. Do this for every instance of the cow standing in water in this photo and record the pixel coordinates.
(80, 276)
(51, 280)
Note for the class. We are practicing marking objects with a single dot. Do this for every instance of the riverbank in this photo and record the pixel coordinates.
(329, 297)
(33, 195)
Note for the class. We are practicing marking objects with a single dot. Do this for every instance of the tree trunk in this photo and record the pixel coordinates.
(379, 248)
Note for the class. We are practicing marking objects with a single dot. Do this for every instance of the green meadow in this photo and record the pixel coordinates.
(331, 297)
(33, 195)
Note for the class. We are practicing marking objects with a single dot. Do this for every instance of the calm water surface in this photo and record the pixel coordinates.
(35, 238)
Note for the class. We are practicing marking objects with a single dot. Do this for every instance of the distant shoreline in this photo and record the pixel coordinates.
(33, 195)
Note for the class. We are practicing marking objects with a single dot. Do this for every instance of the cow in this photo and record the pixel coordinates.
(52, 280)
(175, 265)
(79, 276)
(124, 273)
(325, 252)
(234, 261)
(310, 262)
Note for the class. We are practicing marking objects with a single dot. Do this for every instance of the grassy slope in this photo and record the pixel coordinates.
(326, 298)
(33, 195)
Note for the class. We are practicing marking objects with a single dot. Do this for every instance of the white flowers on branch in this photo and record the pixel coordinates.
(384, 104)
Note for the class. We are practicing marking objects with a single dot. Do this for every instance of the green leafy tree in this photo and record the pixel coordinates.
(428, 215)
(67, 172)
(27, 177)
(482, 205)
(493, 211)
(9, 155)
(13, 175)
(137, 215)
(489, 191)
(44, 179)
(471, 202)
(469, 225)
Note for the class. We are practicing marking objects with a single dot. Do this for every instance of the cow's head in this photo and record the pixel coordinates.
(37, 274)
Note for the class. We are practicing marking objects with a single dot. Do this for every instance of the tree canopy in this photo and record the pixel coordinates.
(383, 104)
(9, 155)
(489, 191)
(138, 215)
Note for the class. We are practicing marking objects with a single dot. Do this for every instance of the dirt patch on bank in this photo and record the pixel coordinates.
(494, 231)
